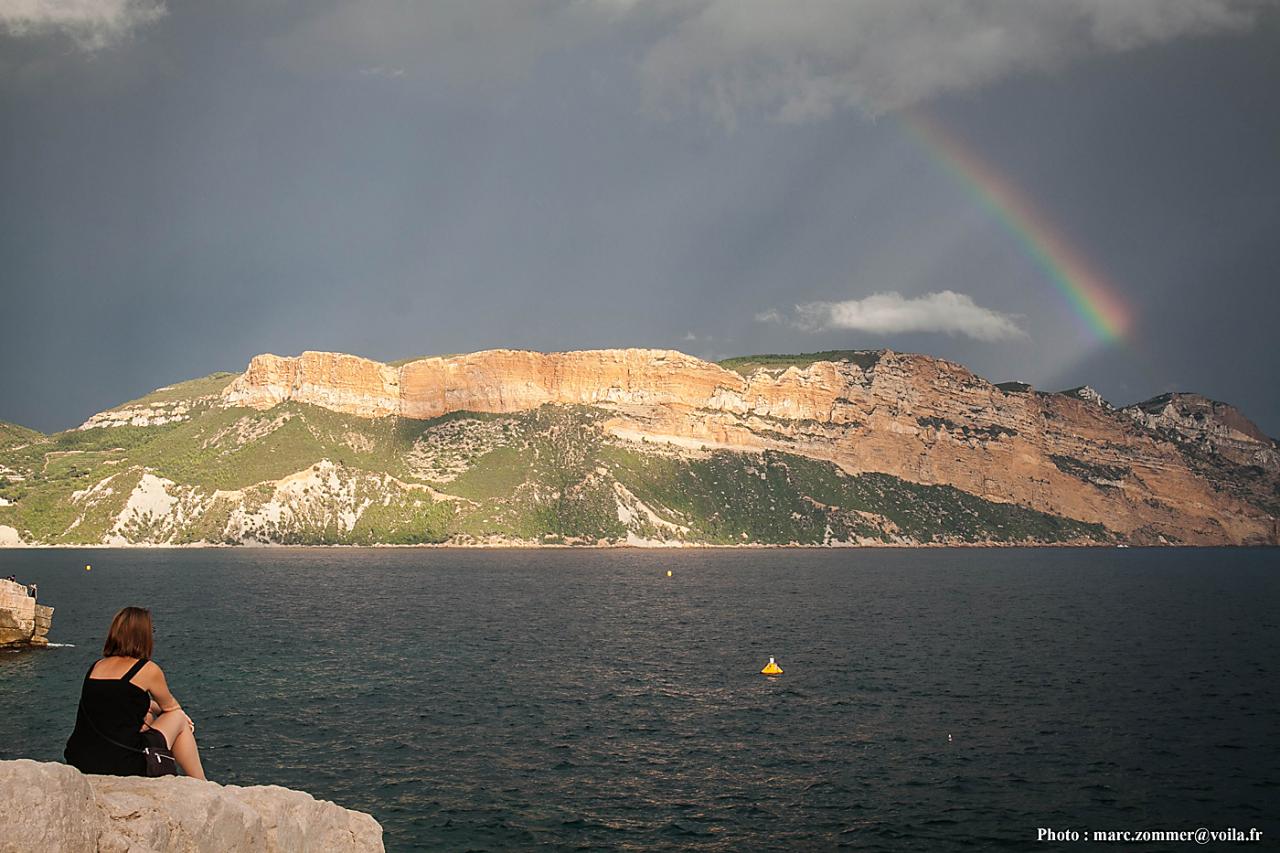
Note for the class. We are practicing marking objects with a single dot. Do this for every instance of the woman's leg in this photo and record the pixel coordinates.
(176, 728)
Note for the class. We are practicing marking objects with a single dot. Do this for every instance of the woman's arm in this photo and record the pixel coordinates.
(153, 682)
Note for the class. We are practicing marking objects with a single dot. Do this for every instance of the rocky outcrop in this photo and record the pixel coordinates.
(142, 415)
(1218, 428)
(1089, 395)
(23, 622)
(921, 419)
(56, 807)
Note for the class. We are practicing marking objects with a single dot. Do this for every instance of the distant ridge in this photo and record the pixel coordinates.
(639, 447)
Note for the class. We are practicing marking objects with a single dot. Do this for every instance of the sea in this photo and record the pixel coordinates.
(931, 699)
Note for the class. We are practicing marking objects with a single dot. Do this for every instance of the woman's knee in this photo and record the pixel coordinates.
(172, 724)
(175, 717)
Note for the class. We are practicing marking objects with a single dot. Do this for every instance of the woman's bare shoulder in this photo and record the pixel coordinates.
(112, 667)
(149, 673)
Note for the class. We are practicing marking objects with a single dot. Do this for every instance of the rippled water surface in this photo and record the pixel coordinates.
(582, 699)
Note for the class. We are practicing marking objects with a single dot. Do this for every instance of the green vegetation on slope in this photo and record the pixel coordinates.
(235, 448)
(40, 480)
(49, 474)
(12, 435)
(781, 498)
(549, 475)
(192, 389)
(404, 519)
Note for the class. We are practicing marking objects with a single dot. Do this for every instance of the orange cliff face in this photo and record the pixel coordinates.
(922, 419)
(501, 381)
(514, 381)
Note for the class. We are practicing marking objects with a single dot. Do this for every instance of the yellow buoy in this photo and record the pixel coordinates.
(668, 573)
(771, 668)
(87, 567)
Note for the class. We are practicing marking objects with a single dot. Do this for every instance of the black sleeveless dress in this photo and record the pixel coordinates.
(111, 709)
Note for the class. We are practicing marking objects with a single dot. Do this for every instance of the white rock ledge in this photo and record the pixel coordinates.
(56, 807)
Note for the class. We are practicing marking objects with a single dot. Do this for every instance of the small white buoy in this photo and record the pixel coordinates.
(948, 738)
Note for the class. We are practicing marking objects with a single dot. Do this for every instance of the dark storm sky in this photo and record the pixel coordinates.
(185, 185)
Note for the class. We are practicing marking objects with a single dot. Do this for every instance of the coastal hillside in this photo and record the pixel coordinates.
(643, 447)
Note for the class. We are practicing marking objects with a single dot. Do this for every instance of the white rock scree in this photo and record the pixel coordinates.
(49, 806)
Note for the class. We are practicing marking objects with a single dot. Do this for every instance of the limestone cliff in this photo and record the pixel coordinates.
(1150, 474)
(56, 807)
(639, 447)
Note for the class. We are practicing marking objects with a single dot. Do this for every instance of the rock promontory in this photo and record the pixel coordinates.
(23, 622)
(56, 807)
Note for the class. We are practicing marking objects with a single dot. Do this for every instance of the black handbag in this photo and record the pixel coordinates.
(160, 760)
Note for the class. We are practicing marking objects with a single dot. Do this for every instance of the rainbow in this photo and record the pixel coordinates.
(1088, 293)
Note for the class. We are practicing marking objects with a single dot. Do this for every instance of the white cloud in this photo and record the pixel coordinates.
(92, 24)
(805, 59)
(888, 313)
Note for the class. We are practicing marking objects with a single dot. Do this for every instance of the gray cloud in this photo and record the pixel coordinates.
(891, 313)
(807, 59)
(92, 24)
(796, 61)
(476, 41)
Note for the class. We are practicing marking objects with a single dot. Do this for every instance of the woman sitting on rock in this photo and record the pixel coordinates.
(126, 708)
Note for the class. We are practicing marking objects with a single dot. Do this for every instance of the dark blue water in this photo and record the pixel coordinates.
(582, 699)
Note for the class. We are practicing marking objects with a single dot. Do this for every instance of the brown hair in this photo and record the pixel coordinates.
(130, 634)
